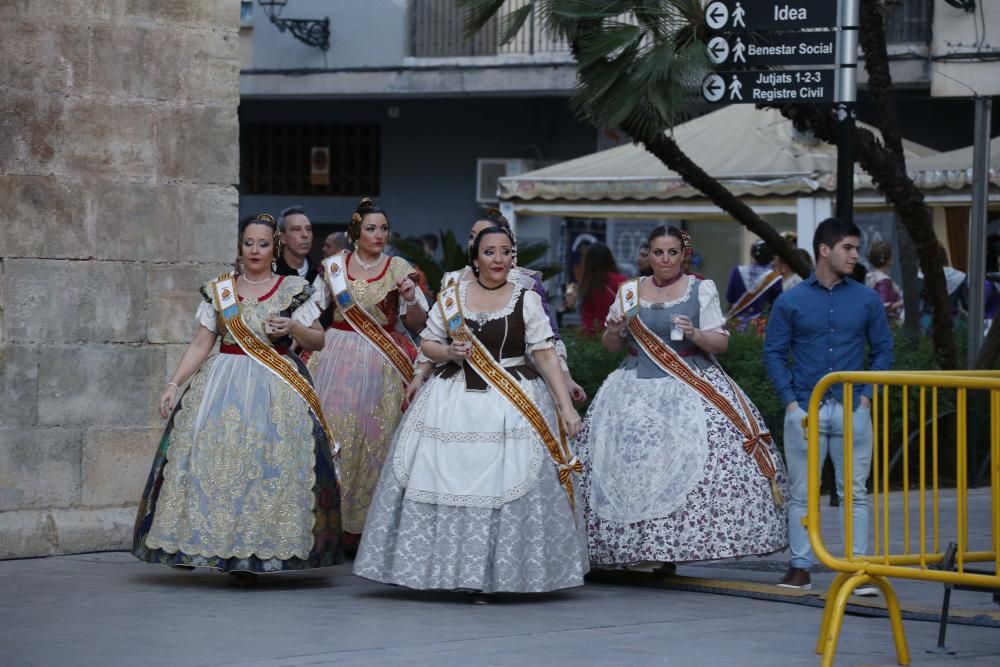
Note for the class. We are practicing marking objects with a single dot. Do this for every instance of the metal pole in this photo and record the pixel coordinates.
(846, 96)
(977, 226)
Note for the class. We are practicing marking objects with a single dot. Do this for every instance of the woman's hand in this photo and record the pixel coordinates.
(616, 323)
(684, 323)
(279, 327)
(459, 350)
(570, 419)
(413, 388)
(576, 392)
(167, 400)
(407, 288)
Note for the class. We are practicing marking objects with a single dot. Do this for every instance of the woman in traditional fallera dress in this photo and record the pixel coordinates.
(243, 480)
(477, 494)
(524, 278)
(667, 476)
(360, 388)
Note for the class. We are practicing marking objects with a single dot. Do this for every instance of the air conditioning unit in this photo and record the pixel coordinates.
(490, 169)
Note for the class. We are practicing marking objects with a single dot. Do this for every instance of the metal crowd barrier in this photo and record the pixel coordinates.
(907, 413)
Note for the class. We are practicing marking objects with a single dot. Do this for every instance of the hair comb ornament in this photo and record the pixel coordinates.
(686, 243)
(365, 201)
(265, 217)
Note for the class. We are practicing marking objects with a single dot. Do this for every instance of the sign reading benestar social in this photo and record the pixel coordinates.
(770, 49)
(743, 15)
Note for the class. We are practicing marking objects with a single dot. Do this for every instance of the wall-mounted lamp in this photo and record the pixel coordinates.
(314, 32)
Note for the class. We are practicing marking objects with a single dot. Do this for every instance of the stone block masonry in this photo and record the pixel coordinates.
(118, 163)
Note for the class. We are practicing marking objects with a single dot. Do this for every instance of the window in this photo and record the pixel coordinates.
(246, 14)
(279, 159)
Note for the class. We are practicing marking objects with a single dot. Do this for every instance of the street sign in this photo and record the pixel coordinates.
(743, 15)
(808, 85)
(773, 49)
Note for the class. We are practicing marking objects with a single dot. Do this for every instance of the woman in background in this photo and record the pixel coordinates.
(599, 283)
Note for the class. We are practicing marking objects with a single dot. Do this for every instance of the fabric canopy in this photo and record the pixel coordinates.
(751, 151)
(952, 169)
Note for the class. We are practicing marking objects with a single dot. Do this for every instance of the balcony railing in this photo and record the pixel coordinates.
(909, 21)
(437, 31)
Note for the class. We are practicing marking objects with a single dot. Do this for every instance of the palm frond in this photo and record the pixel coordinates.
(513, 22)
(478, 13)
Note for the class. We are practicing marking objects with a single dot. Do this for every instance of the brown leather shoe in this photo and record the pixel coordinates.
(796, 577)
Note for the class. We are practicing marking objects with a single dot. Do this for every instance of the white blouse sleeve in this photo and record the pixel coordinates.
(307, 313)
(537, 330)
(418, 296)
(318, 301)
(206, 316)
(710, 318)
(434, 329)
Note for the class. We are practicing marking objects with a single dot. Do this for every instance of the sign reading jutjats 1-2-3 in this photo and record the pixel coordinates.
(768, 34)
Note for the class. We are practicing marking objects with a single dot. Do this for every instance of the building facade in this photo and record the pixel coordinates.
(403, 106)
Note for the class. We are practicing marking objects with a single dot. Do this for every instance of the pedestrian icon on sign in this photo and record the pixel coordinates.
(739, 51)
(734, 89)
(738, 13)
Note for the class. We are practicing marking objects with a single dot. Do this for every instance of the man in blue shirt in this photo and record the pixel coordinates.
(825, 323)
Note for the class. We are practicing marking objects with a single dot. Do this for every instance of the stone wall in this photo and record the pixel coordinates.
(118, 159)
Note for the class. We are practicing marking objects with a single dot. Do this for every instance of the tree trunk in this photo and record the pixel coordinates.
(669, 153)
(908, 266)
(873, 43)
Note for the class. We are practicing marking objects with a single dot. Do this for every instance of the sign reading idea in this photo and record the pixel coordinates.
(765, 87)
(774, 48)
(743, 15)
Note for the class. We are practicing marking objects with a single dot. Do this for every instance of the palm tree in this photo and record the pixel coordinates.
(639, 62)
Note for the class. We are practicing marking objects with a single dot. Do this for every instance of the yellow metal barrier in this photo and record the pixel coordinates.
(889, 557)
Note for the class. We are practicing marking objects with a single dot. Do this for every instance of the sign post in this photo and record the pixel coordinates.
(817, 39)
(847, 95)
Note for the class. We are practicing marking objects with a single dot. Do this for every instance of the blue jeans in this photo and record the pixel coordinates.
(831, 438)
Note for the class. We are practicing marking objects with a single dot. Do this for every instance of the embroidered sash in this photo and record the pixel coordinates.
(335, 270)
(228, 306)
(506, 385)
(755, 439)
(751, 295)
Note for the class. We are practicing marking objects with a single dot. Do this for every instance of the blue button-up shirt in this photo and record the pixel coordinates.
(825, 330)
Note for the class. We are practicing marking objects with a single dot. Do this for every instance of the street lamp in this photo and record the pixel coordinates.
(314, 32)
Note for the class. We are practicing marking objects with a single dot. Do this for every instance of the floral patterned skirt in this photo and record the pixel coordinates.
(242, 479)
(666, 477)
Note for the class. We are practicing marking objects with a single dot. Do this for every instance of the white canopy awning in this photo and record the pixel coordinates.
(952, 169)
(754, 152)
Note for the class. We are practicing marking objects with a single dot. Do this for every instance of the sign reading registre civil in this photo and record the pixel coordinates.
(765, 87)
(743, 15)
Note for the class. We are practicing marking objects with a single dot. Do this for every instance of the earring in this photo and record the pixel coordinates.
(274, 266)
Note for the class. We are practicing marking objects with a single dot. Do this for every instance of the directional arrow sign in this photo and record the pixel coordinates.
(764, 87)
(716, 15)
(718, 49)
(774, 48)
(770, 14)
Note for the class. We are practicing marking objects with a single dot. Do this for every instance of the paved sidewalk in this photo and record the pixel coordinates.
(109, 609)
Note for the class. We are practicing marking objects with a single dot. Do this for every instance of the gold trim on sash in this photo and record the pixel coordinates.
(507, 386)
(227, 306)
(755, 439)
(752, 295)
(361, 320)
